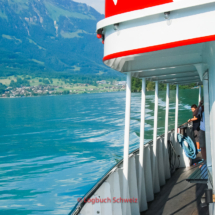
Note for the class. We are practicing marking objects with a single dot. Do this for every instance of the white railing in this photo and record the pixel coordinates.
(110, 188)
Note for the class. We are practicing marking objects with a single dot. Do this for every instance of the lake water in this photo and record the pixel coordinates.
(55, 148)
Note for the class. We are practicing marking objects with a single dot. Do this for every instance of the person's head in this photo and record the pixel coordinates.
(193, 107)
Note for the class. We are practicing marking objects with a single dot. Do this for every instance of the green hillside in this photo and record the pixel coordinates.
(50, 37)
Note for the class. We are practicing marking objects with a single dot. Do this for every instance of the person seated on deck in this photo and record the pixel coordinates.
(200, 110)
(196, 125)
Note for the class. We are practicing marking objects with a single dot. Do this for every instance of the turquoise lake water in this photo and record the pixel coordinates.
(55, 148)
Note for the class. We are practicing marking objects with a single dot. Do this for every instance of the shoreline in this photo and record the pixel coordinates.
(24, 86)
(60, 94)
(79, 94)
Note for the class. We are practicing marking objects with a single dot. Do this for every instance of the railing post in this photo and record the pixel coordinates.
(176, 145)
(200, 91)
(166, 154)
(126, 139)
(155, 166)
(207, 120)
(176, 115)
(141, 185)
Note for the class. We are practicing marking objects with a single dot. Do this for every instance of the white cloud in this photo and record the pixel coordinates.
(99, 5)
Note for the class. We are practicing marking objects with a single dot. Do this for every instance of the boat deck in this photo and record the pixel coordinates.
(179, 196)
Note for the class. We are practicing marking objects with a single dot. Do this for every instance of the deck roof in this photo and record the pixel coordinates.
(174, 66)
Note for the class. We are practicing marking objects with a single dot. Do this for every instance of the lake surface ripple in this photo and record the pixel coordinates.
(55, 148)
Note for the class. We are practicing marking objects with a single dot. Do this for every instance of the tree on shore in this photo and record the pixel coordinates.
(19, 83)
(136, 85)
(2, 88)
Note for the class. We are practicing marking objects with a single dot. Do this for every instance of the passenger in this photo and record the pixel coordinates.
(200, 110)
(196, 125)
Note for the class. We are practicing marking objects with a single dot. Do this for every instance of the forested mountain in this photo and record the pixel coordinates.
(49, 36)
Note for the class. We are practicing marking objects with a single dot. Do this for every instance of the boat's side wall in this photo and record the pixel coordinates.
(112, 187)
(154, 33)
(209, 59)
(115, 7)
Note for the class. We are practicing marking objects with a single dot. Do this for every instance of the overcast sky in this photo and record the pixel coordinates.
(99, 5)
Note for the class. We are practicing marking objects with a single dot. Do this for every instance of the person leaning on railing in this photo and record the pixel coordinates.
(196, 125)
(200, 111)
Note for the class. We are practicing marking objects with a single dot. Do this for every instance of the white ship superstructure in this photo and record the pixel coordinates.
(164, 41)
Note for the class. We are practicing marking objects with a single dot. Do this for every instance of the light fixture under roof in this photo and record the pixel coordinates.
(116, 26)
(166, 15)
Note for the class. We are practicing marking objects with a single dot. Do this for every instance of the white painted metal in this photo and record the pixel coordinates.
(104, 194)
(126, 139)
(201, 68)
(179, 69)
(208, 57)
(141, 31)
(160, 9)
(132, 182)
(200, 93)
(148, 174)
(172, 139)
(114, 182)
(166, 154)
(176, 145)
(137, 171)
(184, 82)
(88, 209)
(175, 59)
(155, 165)
(207, 119)
(92, 208)
(97, 208)
(113, 186)
(140, 27)
(152, 159)
(126, 206)
(143, 202)
(176, 115)
(141, 181)
(176, 78)
(161, 76)
(160, 161)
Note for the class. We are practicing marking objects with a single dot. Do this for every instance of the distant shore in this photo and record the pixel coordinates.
(28, 86)
(41, 95)
(14, 87)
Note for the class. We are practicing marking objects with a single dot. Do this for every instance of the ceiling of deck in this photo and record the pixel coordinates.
(174, 66)
(185, 74)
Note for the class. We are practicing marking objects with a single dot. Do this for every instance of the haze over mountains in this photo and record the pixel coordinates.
(39, 36)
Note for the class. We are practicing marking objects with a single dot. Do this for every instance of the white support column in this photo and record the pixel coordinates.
(141, 181)
(207, 119)
(126, 139)
(166, 154)
(155, 166)
(200, 88)
(176, 115)
(148, 174)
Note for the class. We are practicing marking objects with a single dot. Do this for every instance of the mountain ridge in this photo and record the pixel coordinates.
(56, 36)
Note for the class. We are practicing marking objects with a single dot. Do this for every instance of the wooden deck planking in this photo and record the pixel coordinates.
(178, 196)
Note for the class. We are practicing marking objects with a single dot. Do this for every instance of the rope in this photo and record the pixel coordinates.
(188, 146)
